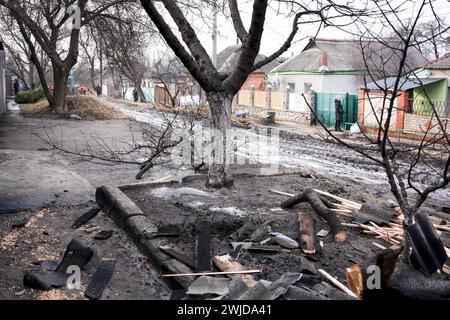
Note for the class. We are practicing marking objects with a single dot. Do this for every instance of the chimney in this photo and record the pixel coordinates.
(323, 60)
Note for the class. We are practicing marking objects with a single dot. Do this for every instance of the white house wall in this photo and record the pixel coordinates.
(327, 83)
(342, 83)
(298, 79)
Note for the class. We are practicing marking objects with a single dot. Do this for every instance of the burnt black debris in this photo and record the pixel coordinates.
(100, 280)
(86, 217)
(104, 235)
(20, 223)
(428, 253)
(203, 248)
(77, 254)
(52, 276)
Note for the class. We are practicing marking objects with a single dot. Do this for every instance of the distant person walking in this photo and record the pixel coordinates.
(16, 87)
(339, 113)
(98, 89)
(312, 106)
(135, 95)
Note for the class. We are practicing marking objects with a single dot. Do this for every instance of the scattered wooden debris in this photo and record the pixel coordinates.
(224, 273)
(344, 202)
(392, 234)
(306, 225)
(82, 220)
(178, 255)
(446, 267)
(282, 193)
(379, 246)
(311, 196)
(355, 280)
(234, 269)
(336, 282)
(358, 275)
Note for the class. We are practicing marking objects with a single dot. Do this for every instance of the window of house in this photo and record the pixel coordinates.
(291, 86)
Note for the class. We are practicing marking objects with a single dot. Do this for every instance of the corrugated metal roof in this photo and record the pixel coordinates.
(347, 55)
(405, 83)
(442, 63)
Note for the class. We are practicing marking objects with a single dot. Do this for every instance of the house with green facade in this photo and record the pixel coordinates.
(437, 91)
(423, 94)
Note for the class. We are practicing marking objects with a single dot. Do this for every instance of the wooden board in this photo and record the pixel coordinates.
(307, 238)
(355, 279)
(227, 264)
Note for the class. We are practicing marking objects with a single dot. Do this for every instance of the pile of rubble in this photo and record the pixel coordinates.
(224, 277)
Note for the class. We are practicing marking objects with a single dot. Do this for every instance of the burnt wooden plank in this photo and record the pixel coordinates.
(178, 255)
(100, 280)
(203, 248)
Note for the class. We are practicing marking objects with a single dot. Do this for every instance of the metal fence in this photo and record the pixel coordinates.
(326, 111)
(425, 108)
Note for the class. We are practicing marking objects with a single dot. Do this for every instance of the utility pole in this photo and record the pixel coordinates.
(215, 35)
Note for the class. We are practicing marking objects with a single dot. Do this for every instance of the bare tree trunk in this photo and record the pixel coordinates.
(58, 100)
(140, 92)
(219, 175)
(92, 73)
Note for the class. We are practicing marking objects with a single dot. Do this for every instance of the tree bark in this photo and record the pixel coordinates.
(57, 100)
(140, 92)
(219, 175)
(308, 195)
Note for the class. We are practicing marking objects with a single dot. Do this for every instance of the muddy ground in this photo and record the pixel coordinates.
(251, 201)
(46, 236)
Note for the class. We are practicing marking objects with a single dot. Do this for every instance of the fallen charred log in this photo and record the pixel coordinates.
(309, 195)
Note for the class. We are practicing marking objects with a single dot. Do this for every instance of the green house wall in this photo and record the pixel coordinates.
(437, 91)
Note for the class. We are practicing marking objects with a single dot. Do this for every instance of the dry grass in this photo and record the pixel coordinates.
(86, 107)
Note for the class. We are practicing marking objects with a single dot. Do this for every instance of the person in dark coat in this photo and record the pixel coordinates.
(339, 113)
(98, 89)
(16, 87)
(135, 95)
(313, 107)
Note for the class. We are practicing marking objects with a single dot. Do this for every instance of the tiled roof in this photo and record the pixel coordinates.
(442, 63)
(346, 55)
(227, 59)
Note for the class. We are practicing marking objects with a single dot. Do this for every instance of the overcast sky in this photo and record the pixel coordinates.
(278, 27)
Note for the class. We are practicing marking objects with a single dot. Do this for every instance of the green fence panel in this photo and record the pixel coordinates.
(326, 111)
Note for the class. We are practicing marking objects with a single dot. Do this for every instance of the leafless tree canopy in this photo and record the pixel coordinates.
(125, 36)
(50, 25)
